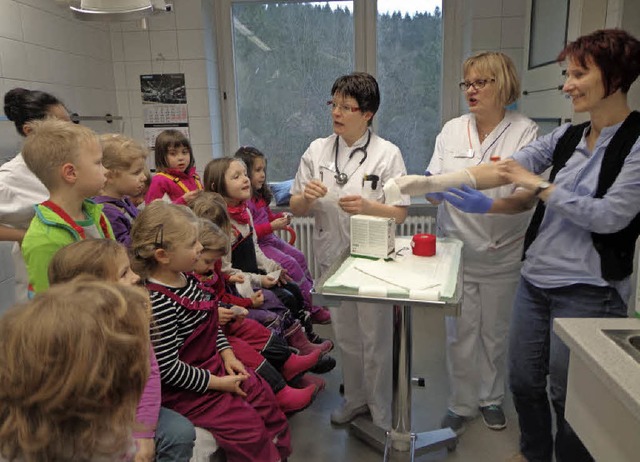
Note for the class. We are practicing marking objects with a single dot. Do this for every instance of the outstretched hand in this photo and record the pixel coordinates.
(468, 199)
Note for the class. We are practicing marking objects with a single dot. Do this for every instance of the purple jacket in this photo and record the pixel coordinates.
(120, 213)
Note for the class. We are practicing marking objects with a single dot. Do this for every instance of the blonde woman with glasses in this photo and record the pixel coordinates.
(477, 339)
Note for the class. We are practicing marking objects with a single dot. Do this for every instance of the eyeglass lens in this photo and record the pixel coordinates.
(476, 84)
(341, 107)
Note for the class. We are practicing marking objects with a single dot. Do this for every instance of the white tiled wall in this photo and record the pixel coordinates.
(43, 47)
(178, 42)
(498, 25)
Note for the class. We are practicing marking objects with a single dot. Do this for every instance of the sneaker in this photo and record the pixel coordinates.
(345, 414)
(455, 422)
(493, 417)
(321, 316)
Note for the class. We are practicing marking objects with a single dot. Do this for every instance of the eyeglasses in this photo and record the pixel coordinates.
(342, 107)
(476, 84)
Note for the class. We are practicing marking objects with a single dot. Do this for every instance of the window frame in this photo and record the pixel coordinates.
(365, 43)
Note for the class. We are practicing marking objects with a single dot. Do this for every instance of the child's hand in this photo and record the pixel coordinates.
(237, 278)
(257, 299)
(225, 315)
(189, 196)
(229, 383)
(146, 450)
(279, 223)
(284, 277)
(233, 366)
(268, 281)
(288, 216)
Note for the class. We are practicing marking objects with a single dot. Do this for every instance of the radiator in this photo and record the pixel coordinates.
(303, 226)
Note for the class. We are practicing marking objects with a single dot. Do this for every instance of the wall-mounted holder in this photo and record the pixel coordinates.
(76, 118)
(528, 92)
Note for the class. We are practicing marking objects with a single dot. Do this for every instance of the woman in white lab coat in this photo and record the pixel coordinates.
(329, 185)
(20, 190)
(477, 339)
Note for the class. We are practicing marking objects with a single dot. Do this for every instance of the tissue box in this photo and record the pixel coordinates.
(372, 237)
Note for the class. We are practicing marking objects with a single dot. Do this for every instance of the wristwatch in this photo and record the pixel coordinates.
(542, 186)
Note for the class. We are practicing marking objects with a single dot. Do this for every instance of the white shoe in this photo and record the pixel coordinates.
(346, 414)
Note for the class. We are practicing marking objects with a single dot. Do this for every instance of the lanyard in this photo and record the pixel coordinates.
(341, 177)
(55, 208)
(484, 153)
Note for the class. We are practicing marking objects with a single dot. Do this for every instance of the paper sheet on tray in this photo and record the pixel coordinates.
(420, 278)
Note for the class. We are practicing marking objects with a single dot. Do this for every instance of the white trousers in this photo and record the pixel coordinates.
(477, 343)
(364, 333)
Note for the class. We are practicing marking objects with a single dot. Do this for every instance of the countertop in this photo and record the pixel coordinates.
(611, 364)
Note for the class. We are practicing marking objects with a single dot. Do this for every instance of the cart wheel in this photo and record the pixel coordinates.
(452, 446)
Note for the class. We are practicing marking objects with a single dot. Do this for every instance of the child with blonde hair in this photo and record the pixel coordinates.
(67, 159)
(176, 179)
(264, 306)
(125, 161)
(72, 373)
(165, 436)
(266, 222)
(202, 378)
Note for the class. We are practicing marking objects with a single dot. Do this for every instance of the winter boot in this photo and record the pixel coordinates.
(320, 315)
(310, 379)
(324, 343)
(297, 365)
(297, 339)
(325, 364)
(292, 400)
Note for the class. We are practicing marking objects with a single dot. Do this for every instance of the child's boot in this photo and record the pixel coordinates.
(310, 379)
(298, 364)
(324, 343)
(296, 338)
(295, 399)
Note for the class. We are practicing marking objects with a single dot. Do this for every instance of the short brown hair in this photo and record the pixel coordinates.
(119, 152)
(92, 256)
(73, 364)
(500, 67)
(614, 51)
(166, 140)
(159, 225)
(52, 143)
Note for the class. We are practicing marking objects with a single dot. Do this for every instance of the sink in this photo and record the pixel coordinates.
(627, 339)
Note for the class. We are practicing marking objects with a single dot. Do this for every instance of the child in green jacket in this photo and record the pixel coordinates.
(67, 159)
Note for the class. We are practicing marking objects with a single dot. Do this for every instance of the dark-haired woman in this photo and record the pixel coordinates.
(20, 190)
(581, 244)
(330, 185)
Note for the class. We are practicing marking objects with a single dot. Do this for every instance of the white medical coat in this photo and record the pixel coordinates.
(492, 242)
(20, 190)
(331, 232)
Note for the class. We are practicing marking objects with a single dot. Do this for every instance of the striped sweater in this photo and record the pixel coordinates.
(172, 325)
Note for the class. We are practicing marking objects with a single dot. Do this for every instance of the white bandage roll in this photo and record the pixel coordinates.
(372, 291)
(432, 294)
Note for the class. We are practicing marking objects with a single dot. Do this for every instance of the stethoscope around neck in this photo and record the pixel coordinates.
(341, 177)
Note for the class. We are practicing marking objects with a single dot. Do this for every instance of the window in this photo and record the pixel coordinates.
(281, 58)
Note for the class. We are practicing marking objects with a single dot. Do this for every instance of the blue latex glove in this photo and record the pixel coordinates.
(437, 196)
(468, 199)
